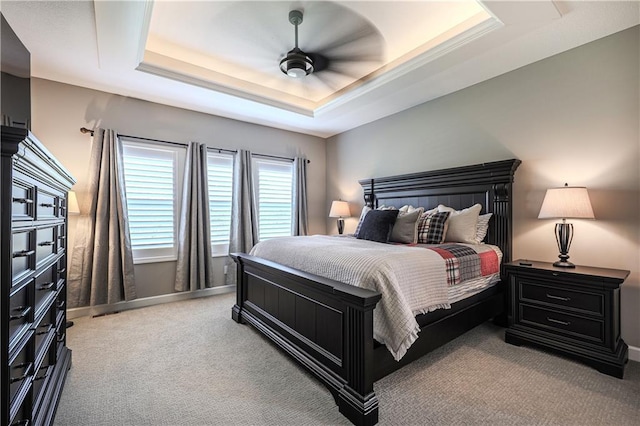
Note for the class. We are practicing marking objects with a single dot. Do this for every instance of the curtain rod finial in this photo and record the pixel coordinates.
(85, 130)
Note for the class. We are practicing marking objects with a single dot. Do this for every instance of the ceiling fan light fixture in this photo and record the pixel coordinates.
(296, 64)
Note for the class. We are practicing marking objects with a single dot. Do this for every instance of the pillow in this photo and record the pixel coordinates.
(405, 230)
(432, 227)
(483, 227)
(462, 224)
(365, 210)
(377, 225)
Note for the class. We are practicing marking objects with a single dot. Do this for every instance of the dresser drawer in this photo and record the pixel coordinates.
(23, 254)
(20, 309)
(562, 323)
(61, 237)
(20, 370)
(61, 299)
(47, 207)
(45, 244)
(555, 295)
(40, 381)
(44, 334)
(23, 197)
(45, 287)
(21, 413)
(61, 328)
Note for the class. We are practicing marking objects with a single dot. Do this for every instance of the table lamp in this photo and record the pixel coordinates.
(340, 209)
(568, 202)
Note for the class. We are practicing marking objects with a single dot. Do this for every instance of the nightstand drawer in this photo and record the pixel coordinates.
(564, 323)
(555, 295)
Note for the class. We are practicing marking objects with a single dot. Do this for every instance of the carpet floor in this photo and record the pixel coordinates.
(188, 363)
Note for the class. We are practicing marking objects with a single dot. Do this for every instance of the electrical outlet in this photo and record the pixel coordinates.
(225, 269)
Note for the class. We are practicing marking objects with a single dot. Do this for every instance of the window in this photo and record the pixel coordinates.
(219, 180)
(274, 194)
(153, 181)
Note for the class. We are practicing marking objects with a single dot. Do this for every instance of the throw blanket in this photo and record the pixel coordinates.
(465, 262)
(411, 280)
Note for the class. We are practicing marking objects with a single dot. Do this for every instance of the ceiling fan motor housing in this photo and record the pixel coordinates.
(296, 64)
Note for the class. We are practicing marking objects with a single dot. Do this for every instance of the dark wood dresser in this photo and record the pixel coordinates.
(35, 359)
(573, 311)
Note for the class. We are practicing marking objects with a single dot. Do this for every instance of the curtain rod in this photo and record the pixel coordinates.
(232, 151)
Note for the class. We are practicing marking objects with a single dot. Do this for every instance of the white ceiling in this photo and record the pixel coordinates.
(222, 57)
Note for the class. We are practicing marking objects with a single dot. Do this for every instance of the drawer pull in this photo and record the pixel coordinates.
(62, 237)
(62, 271)
(24, 313)
(60, 304)
(26, 373)
(22, 200)
(23, 253)
(564, 299)
(42, 377)
(40, 333)
(61, 337)
(47, 205)
(46, 243)
(47, 286)
(558, 321)
(24, 422)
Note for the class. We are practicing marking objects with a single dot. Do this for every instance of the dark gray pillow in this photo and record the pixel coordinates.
(377, 225)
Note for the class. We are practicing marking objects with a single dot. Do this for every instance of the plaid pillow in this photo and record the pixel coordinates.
(432, 227)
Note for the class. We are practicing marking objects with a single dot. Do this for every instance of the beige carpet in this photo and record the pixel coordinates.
(188, 363)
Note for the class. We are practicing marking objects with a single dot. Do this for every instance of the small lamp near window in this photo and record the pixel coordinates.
(568, 202)
(340, 209)
(72, 203)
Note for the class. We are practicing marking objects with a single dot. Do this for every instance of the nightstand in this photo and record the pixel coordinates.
(573, 311)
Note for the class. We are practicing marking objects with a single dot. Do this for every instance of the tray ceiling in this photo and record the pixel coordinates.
(222, 57)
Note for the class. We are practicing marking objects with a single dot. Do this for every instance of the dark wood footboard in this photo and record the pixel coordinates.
(327, 326)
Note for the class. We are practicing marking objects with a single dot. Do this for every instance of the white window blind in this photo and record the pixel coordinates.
(219, 180)
(152, 181)
(274, 187)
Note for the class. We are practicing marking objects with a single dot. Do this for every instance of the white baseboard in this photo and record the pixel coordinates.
(147, 301)
(634, 353)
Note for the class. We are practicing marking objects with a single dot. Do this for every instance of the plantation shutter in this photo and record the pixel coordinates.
(275, 185)
(219, 178)
(150, 182)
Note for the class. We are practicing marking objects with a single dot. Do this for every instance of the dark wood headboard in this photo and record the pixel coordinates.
(488, 184)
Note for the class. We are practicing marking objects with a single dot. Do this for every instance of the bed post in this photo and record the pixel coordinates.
(241, 289)
(357, 400)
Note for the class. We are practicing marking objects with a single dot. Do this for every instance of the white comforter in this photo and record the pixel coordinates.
(411, 280)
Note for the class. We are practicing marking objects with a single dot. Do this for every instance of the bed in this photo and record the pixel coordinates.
(327, 325)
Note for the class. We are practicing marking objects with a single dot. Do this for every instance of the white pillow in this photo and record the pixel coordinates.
(462, 224)
(365, 210)
(483, 227)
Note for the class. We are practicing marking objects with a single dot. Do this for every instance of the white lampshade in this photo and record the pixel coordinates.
(339, 209)
(72, 203)
(568, 202)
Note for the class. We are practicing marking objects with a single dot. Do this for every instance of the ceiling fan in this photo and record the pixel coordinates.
(363, 44)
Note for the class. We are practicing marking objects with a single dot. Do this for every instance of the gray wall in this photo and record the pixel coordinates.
(59, 110)
(569, 118)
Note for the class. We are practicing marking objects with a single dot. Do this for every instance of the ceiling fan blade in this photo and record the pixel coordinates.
(365, 39)
(334, 81)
